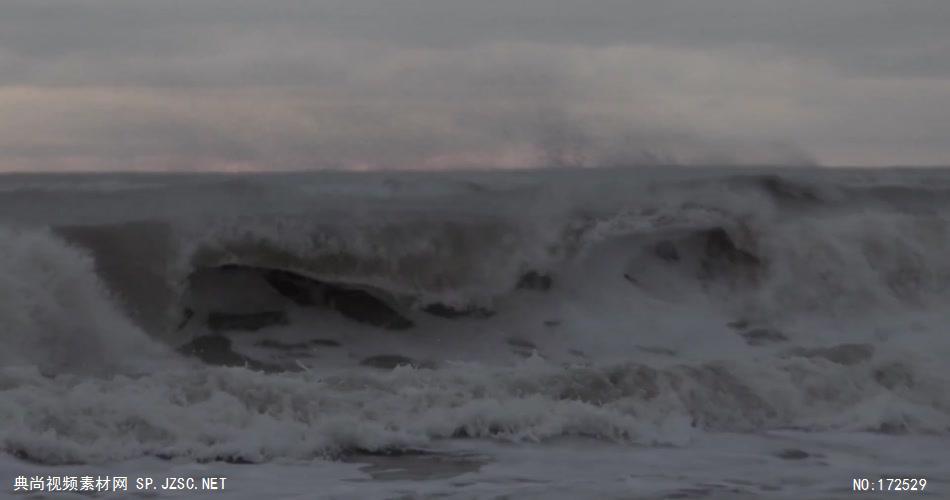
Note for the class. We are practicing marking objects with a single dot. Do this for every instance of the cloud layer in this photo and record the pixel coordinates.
(289, 84)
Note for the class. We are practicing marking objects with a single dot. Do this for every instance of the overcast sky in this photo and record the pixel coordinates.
(289, 84)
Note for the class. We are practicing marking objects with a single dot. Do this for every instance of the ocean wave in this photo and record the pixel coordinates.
(525, 308)
(239, 415)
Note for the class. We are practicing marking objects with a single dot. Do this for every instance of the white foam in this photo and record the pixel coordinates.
(56, 315)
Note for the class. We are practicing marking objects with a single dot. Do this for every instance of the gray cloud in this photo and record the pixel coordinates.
(888, 36)
(184, 84)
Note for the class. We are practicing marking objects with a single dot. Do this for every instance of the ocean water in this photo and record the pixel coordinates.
(608, 333)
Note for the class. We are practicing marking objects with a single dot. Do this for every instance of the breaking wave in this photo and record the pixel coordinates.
(262, 318)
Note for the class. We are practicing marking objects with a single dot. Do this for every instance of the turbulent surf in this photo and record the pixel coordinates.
(280, 317)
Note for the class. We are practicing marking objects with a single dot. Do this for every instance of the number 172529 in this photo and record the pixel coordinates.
(888, 484)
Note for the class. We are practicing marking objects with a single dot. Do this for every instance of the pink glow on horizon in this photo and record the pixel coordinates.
(509, 158)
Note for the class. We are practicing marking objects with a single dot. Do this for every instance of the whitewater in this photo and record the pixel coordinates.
(561, 333)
